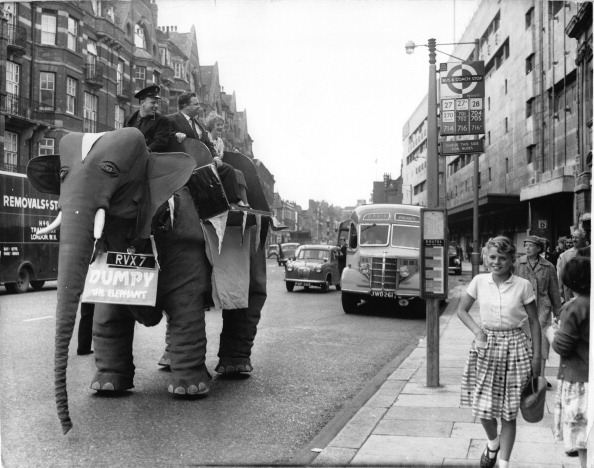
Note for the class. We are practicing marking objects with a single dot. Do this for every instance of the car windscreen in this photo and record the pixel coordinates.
(374, 234)
(312, 254)
(407, 236)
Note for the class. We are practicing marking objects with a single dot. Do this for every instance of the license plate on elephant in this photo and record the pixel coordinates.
(384, 294)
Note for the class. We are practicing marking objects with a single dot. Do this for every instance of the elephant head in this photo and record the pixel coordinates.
(101, 179)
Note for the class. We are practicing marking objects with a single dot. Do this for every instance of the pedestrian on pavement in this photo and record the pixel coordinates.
(543, 278)
(485, 255)
(469, 251)
(571, 340)
(502, 359)
(342, 256)
(559, 249)
(578, 241)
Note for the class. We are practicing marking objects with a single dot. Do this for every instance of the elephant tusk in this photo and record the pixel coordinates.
(99, 223)
(54, 224)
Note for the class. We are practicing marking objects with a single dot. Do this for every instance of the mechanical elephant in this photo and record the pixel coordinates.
(110, 188)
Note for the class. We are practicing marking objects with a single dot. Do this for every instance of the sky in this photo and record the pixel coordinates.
(326, 84)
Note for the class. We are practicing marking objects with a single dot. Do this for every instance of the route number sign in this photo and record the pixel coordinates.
(462, 90)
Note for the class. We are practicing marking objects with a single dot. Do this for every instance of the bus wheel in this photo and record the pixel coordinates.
(22, 283)
(349, 302)
(37, 285)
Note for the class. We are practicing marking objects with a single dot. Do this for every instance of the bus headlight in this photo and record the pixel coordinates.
(364, 265)
(289, 266)
(404, 272)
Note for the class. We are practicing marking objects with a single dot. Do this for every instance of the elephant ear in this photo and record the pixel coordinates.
(166, 173)
(44, 173)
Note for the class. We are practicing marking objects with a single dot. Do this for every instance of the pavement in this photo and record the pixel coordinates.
(406, 423)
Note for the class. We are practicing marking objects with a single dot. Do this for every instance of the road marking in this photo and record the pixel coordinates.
(39, 318)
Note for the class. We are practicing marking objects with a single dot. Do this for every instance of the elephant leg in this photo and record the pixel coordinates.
(187, 344)
(113, 332)
(85, 329)
(165, 360)
(240, 325)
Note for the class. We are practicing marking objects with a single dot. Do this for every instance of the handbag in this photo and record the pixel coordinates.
(532, 399)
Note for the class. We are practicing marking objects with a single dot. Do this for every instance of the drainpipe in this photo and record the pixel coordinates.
(541, 79)
(564, 89)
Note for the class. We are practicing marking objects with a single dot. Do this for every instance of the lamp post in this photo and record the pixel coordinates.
(432, 304)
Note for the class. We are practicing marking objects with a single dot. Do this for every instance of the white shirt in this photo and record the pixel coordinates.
(501, 307)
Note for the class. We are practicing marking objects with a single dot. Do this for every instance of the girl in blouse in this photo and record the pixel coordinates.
(572, 342)
(502, 358)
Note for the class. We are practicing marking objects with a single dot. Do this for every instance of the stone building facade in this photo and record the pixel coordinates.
(74, 66)
(537, 131)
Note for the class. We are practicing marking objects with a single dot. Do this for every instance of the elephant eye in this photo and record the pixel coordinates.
(110, 169)
(63, 173)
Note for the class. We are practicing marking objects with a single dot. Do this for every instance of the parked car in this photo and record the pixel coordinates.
(286, 252)
(454, 260)
(272, 251)
(314, 265)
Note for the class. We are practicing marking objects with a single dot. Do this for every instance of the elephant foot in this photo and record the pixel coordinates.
(195, 386)
(234, 366)
(111, 382)
(165, 360)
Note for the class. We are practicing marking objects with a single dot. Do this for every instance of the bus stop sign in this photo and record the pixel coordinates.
(434, 267)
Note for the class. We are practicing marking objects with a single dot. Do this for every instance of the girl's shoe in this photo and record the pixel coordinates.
(486, 460)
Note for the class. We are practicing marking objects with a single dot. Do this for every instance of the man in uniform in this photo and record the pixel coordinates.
(578, 238)
(149, 121)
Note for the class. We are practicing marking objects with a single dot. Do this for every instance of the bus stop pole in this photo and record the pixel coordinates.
(432, 304)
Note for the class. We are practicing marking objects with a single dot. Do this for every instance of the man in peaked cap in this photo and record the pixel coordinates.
(149, 121)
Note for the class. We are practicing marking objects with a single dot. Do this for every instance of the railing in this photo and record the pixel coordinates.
(13, 104)
(92, 126)
(94, 74)
(4, 166)
(16, 35)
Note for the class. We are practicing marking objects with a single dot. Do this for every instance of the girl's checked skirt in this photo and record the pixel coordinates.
(494, 377)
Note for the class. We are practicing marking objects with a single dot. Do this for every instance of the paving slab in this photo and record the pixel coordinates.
(537, 454)
(542, 435)
(403, 374)
(391, 450)
(447, 401)
(418, 388)
(430, 414)
(335, 456)
(414, 428)
(354, 434)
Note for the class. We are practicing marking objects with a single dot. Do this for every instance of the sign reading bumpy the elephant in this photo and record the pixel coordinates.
(122, 278)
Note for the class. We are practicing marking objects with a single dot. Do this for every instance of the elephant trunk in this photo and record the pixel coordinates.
(76, 248)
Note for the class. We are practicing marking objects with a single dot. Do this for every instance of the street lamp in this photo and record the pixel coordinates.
(432, 304)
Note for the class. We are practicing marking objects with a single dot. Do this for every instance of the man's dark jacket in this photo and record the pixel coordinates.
(154, 128)
(178, 122)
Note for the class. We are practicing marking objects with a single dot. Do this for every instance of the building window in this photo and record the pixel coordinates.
(119, 117)
(506, 86)
(11, 151)
(178, 68)
(488, 103)
(109, 13)
(72, 33)
(47, 90)
(488, 138)
(90, 113)
(156, 78)
(120, 77)
(530, 153)
(489, 174)
(507, 165)
(165, 57)
(49, 24)
(506, 126)
(529, 107)
(46, 146)
(91, 52)
(96, 4)
(530, 63)
(139, 39)
(140, 78)
(529, 17)
(13, 78)
(71, 95)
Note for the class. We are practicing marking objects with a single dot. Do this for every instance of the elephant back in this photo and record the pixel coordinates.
(255, 193)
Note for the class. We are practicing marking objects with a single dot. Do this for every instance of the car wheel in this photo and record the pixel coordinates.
(459, 272)
(22, 283)
(325, 286)
(338, 288)
(349, 302)
(37, 285)
(290, 286)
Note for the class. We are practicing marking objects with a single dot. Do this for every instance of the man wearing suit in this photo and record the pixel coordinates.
(184, 124)
(151, 123)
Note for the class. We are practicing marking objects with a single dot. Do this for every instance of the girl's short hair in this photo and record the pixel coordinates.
(576, 275)
(504, 246)
(211, 119)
